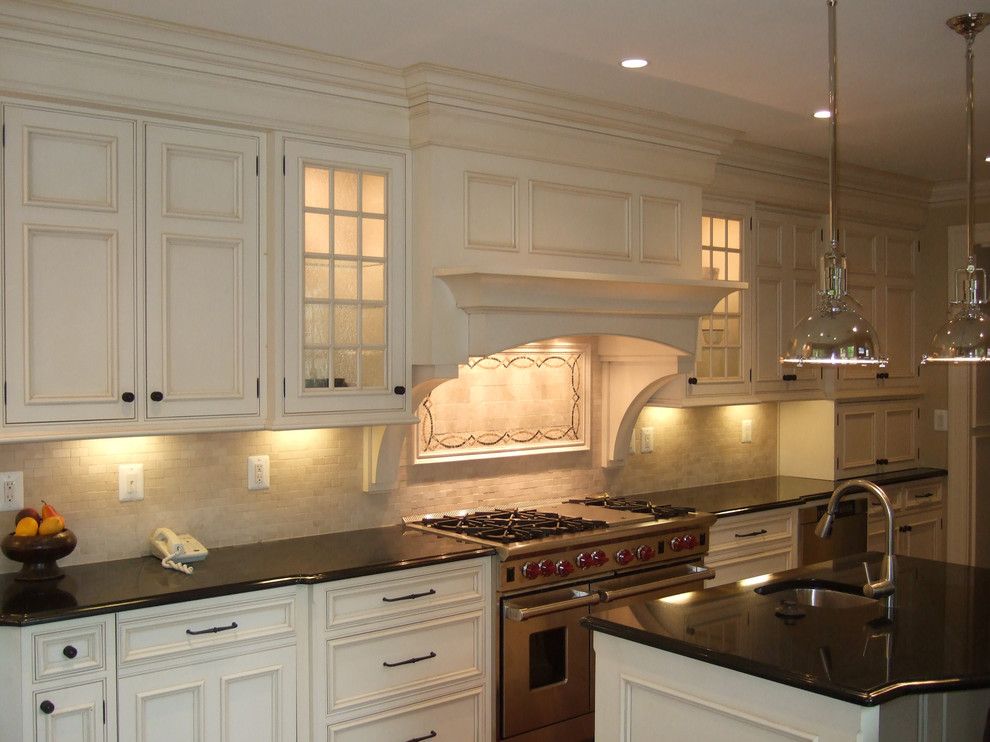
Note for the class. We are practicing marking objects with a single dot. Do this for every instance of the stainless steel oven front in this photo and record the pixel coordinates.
(546, 673)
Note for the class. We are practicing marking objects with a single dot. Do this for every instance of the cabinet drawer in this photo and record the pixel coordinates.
(387, 664)
(196, 627)
(403, 594)
(65, 650)
(742, 530)
(455, 718)
(740, 567)
(922, 494)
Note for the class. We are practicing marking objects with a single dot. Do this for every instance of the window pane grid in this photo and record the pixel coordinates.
(720, 333)
(344, 279)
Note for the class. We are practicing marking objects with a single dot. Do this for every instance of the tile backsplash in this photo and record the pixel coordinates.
(198, 482)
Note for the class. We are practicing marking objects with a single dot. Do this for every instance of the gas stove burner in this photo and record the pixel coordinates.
(510, 526)
(633, 505)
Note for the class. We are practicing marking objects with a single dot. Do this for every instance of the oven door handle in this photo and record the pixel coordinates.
(521, 613)
(696, 574)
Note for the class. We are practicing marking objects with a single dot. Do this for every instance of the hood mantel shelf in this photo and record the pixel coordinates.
(506, 310)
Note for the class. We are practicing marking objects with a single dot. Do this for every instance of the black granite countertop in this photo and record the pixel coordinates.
(768, 493)
(107, 587)
(937, 640)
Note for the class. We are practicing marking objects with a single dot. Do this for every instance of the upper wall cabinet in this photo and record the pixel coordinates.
(344, 285)
(73, 303)
(202, 273)
(69, 267)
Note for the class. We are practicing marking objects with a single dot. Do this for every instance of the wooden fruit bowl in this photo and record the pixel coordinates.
(38, 554)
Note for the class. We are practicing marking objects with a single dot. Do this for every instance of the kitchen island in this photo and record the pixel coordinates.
(721, 664)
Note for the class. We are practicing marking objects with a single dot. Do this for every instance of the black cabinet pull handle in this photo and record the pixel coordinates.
(924, 496)
(692, 379)
(883, 375)
(789, 377)
(127, 397)
(905, 529)
(411, 660)
(752, 533)
(214, 630)
(882, 462)
(157, 396)
(431, 735)
(400, 390)
(70, 652)
(47, 707)
(410, 596)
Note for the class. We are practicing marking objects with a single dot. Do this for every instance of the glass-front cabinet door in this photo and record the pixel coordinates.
(344, 217)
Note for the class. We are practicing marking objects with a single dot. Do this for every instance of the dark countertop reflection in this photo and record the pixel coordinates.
(107, 587)
(768, 493)
(937, 640)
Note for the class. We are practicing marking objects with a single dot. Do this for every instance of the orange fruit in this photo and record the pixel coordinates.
(26, 527)
(51, 525)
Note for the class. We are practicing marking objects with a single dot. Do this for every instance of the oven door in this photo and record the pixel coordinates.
(545, 658)
(650, 584)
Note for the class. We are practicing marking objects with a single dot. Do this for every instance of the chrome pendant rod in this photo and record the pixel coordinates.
(970, 149)
(833, 150)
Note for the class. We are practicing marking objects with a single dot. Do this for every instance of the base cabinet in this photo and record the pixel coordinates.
(919, 521)
(744, 546)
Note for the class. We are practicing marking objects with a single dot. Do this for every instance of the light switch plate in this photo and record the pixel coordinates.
(646, 440)
(746, 431)
(130, 482)
(942, 420)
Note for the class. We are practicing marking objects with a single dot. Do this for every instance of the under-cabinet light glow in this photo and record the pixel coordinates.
(633, 63)
(823, 114)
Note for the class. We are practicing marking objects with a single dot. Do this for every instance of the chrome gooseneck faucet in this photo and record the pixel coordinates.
(885, 585)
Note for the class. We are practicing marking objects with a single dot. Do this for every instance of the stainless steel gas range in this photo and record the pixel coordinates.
(557, 564)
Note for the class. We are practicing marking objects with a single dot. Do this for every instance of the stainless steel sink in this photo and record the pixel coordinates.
(817, 594)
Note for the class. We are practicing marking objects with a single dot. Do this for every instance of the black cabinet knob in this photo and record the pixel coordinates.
(400, 390)
(157, 396)
(47, 707)
(70, 652)
(127, 397)
(692, 380)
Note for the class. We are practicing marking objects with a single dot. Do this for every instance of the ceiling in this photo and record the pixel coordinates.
(758, 66)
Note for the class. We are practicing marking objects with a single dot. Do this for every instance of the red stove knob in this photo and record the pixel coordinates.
(624, 556)
(564, 568)
(584, 560)
(546, 567)
(677, 543)
(645, 553)
(531, 570)
(599, 557)
(689, 540)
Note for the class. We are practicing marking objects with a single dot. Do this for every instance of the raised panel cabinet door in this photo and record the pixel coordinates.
(69, 300)
(857, 438)
(899, 427)
(899, 324)
(74, 714)
(203, 291)
(921, 534)
(344, 272)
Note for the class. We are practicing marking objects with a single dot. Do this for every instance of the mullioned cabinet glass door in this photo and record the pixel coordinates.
(344, 219)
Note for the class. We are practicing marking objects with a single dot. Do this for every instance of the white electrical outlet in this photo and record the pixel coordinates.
(130, 482)
(258, 476)
(942, 420)
(646, 440)
(746, 431)
(11, 490)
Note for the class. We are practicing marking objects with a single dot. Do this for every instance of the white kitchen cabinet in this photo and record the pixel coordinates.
(69, 267)
(919, 520)
(58, 681)
(784, 290)
(882, 278)
(203, 291)
(823, 439)
(751, 544)
(344, 285)
(404, 655)
(214, 670)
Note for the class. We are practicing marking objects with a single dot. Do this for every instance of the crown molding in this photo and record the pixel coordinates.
(954, 191)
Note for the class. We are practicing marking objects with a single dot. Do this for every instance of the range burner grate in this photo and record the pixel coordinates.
(634, 505)
(510, 526)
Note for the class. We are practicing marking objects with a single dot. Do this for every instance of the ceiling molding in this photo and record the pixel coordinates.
(949, 192)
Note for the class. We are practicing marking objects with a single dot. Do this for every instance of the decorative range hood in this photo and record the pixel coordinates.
(496, 311)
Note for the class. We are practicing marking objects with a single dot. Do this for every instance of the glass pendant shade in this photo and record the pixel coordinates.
(836, 333)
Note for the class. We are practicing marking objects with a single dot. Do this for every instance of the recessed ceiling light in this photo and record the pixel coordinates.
(823, 114)
(633, 63)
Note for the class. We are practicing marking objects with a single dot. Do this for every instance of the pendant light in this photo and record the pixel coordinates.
(966, 336)
(835, 333)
